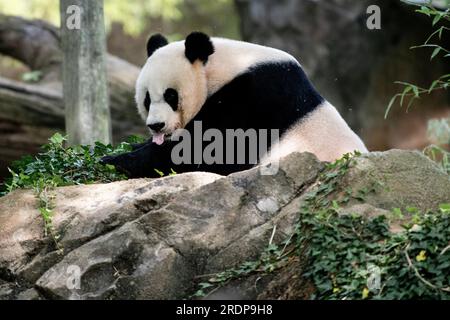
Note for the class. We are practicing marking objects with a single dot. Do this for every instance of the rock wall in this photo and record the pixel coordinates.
(154, 239)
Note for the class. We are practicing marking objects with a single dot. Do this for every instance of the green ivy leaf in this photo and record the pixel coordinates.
(57, 139)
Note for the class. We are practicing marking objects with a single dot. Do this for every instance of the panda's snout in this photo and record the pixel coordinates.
(157, 126)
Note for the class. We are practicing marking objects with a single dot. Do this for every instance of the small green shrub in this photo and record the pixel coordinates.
(62, 166)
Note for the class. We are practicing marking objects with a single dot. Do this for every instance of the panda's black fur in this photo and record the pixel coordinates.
(264, 89)
(155, 42)
(198, 46)
(266, 96)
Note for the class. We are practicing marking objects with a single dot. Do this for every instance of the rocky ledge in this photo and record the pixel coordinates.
(155, 238)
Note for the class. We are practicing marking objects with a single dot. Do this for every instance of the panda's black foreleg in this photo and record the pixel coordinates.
(143, 161)
(135, 146)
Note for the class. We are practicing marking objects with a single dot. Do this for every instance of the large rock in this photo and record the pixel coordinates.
(405, 179)
(153, 239)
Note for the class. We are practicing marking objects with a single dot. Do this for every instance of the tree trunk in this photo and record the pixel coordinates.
(353, 67)
(84, 72)
(31, 112)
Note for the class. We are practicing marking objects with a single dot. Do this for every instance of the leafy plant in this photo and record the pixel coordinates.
(411, 264)
(411, 92)
(162, 174)
(438, 130)
(60, 166)
(43, 190)
(343, 252)
(439, 155)
(63, 166)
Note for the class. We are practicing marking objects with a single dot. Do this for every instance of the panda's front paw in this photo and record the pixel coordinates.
(108, 160)
(116, 161)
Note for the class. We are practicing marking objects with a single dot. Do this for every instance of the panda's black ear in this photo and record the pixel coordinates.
(198, 46)
(155, 42)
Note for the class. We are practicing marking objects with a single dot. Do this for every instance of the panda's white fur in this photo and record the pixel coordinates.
(323, 132)
(168, 67)
(230, 84)
(235, 57)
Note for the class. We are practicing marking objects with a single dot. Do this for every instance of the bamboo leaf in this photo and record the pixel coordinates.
(435, 53)
(391, 103)
(437, 18)
(416, 91)
(433, 85)
(407, 89)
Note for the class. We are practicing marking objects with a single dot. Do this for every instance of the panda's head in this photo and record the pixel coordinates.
(172, 87)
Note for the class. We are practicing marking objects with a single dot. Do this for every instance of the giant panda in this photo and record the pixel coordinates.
(229, 84)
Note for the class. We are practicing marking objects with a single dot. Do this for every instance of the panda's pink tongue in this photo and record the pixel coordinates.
(158, 138)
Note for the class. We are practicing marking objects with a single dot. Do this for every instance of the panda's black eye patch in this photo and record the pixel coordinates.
(147, 101)
(171, 97)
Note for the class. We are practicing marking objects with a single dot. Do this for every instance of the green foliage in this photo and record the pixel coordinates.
(410, 91)
(60, 166)
(173, 17)
(439, 155)
(33, 76)
(270, 260)
(162, 174)
(438, 130)
(342, 251)
(132, 14)
(43, 191)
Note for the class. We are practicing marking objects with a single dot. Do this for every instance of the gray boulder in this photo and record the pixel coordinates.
(156, 239)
